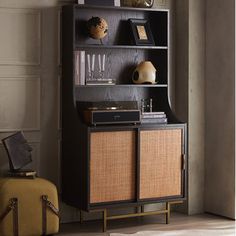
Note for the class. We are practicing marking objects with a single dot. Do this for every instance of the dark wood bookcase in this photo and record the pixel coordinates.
(93, 157)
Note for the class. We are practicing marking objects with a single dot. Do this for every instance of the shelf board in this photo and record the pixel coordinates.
(77, 47)
(121, 8)
(126, 85)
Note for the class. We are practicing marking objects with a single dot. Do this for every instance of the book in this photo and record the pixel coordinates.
(101, 82)
(23, 173)
(154, 121)
(153, 115)
(18, 150)
(79, 67)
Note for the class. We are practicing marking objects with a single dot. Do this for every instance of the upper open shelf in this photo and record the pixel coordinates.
(120, 33)
(121, 50)
(81, 6)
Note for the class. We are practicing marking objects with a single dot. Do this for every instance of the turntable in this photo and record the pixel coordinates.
(110, 112)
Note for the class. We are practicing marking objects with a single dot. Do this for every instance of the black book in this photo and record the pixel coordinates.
(31, 174)
(18, 151)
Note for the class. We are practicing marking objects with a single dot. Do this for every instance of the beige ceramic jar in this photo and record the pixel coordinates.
(145, 73)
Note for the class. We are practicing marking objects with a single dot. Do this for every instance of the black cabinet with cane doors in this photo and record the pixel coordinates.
(108, 166)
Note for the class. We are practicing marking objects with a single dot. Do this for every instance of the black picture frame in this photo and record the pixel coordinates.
(141, 30)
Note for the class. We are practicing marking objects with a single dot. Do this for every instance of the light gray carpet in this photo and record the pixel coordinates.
(213, 232)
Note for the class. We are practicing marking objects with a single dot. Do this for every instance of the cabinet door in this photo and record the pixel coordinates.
(112, 166)
(160, 163)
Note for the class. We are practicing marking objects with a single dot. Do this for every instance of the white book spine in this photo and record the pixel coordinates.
(117, 3)
(77, 69)
(82, 67)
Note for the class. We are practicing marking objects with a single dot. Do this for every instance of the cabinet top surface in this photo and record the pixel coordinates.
(137, 126)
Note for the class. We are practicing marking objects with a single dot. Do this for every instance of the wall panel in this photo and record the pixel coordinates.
(19, 103)
(220, 108)
(20, 40)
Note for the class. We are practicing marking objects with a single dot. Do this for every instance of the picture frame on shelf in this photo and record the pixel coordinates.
(141, 30)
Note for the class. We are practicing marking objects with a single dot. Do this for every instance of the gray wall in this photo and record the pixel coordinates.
(205, 98)
(196, 105)
(220, 108)
(190, 92)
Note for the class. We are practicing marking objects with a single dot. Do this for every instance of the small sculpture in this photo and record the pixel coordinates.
(97, 27)
(145, 73)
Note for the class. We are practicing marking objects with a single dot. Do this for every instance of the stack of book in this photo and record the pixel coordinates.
(31, 174)
(79, 67)
(100, 82)
(158, 117)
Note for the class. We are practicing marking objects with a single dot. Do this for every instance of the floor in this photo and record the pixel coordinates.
(209, 223)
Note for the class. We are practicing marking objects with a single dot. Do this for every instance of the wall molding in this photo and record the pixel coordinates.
(4, 101)
(15, 53)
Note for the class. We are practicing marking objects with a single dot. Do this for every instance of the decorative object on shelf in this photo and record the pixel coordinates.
(97, 27)
(138, 3)
(90, 64)
(100, 79)
(101, 64)
(145, 73)
(100, 2)
(146, 105)
(142, 33)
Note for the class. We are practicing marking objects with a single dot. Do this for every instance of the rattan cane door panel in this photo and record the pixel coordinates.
(112, 166)
(160, 163)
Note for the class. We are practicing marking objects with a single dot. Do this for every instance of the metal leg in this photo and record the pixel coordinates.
(168, 212)
(104, 220)
(165, 211)
(80, 217)
(142, 209)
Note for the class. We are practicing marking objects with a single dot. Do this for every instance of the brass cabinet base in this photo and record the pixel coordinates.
(165, 211)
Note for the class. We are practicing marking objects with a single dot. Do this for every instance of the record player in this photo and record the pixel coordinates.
(110, 112)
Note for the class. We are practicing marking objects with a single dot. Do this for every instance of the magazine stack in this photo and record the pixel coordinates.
(158, 117)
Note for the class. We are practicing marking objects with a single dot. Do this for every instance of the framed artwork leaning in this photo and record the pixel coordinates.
(141, 30)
